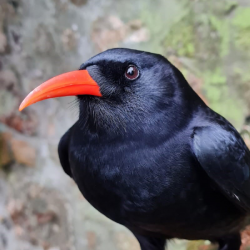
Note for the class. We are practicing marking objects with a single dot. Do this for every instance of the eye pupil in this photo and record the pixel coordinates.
(132, 72)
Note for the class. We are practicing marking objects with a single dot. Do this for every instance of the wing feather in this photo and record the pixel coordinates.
(226, 159)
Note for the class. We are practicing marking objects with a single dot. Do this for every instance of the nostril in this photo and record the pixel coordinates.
(128, 90)
(85, 65)
(82, 66)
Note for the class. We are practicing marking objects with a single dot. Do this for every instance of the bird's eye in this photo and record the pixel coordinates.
(132, 72)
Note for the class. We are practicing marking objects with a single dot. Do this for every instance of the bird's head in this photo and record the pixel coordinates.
(121, 88)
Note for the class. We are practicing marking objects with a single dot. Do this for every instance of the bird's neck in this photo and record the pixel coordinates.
(114, 122)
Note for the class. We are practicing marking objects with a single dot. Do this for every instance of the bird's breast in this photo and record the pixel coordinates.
(138, 183)
(124, 178)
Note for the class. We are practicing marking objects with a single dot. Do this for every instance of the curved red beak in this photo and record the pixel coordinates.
(69, 84)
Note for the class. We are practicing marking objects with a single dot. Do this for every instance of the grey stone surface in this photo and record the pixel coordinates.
(40, 207)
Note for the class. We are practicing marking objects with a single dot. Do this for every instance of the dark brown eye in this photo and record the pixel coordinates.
(132, 72)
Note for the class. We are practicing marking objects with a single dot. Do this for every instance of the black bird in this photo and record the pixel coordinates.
(149, 154)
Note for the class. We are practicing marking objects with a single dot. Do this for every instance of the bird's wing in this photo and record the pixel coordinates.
(63, 151)
(224, 156)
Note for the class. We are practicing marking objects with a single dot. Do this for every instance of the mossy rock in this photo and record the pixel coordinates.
(241, 23)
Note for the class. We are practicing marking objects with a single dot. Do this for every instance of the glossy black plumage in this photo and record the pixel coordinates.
(153, 157)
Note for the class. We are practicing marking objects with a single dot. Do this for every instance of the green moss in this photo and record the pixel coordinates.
(214, 85)
(220, 98)
(242, 40)
(222, 27)
(230, 5)
(194, 245)
(181, 38)
(184, 35)
(231, 108)
(200, 244)
(242, 75)
(206, 35)
(242, 18)
(217, 77)
(241, 24)
(159, 18)
(213, 94)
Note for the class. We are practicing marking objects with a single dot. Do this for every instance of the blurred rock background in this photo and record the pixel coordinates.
(40, 207)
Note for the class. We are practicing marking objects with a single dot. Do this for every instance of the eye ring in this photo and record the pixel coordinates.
(132, 72)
